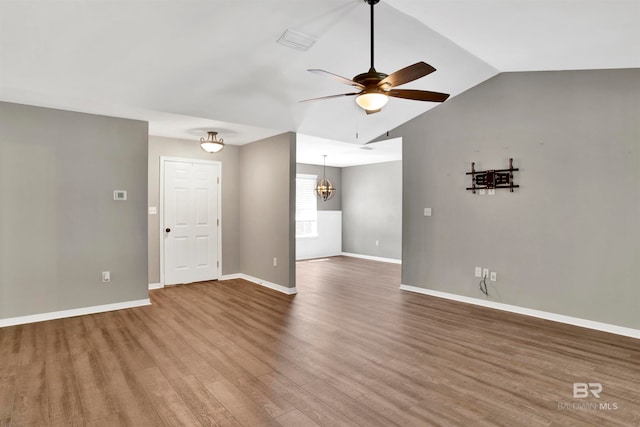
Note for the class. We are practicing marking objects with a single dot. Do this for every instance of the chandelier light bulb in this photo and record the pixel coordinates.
(325, 188)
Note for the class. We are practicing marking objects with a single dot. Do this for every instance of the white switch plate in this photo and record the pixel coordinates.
(106, 277)
(275, 262)
(153, 210)
(481, 192)
(492, 192)
(485, 272)
(493, 276)
(478, 272)
(427, 211)
(377, 243)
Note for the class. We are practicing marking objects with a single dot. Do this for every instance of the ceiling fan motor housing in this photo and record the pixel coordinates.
(370, 78)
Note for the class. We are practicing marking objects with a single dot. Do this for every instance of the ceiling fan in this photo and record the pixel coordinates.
(375, 88)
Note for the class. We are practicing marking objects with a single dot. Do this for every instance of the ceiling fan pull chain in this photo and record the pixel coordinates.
(356, 124)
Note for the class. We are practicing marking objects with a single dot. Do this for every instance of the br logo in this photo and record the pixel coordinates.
(582, 390)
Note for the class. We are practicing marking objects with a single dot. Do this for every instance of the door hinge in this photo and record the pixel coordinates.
(218, 179)
(218, 264)
(218, 222)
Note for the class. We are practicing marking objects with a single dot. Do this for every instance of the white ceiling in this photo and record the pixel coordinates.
(311, 150)
(535, 35)
(191, 66)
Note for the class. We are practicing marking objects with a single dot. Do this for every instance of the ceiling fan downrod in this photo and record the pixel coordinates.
(372, 3)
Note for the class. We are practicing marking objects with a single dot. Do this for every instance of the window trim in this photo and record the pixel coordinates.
(314, 222)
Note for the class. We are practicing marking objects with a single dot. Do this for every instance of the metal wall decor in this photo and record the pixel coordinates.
(490, 179)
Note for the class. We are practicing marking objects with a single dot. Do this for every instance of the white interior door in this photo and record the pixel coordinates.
(191, 223)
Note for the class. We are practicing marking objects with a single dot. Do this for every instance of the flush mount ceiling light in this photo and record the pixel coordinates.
(212, 144)
(325, 188)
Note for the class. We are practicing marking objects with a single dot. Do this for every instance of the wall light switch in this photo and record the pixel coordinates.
(494, 276)
(119, 195)
(427, 211)
(485, 272)
(153, 210)
(478, 272)
(491, 192)
(481, 192)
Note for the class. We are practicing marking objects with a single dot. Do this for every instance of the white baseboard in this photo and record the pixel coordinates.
(261, 282)
(576, 321)
(72, 312)
(372, 258)
(153, 286)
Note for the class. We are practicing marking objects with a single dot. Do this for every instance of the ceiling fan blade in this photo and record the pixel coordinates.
(330, 96)
(418, 95)
(337, 77)
(407, 74)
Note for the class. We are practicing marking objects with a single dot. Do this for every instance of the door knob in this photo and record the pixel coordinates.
(168, 230)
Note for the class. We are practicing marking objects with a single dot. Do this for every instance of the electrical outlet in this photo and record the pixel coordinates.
(275, 261)
(485, 272)
(493, 276)
(106, 276)
(478, 272)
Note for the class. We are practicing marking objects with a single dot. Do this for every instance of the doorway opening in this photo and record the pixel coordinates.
(364, 217)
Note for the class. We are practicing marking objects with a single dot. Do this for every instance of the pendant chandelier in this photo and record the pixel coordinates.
(212, 144)
(325, 188)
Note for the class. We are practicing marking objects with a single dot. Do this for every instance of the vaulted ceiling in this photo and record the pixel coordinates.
(191, 66)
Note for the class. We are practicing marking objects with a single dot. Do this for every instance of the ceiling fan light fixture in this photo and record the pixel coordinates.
(372, 101)
(212, 144)
(376, 88)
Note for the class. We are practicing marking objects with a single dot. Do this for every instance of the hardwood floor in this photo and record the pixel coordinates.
(349, 349)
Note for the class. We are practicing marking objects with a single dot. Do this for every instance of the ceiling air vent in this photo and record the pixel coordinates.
(296, 40)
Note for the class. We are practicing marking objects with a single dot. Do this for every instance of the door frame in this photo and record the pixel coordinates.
(164, 159)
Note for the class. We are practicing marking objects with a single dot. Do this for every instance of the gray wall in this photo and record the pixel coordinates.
(230, 182)
(267, 209)
(567, 241)
(372, 209)
(59, 225)
(334, 175)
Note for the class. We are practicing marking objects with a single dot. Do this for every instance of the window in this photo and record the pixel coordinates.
(306, 206)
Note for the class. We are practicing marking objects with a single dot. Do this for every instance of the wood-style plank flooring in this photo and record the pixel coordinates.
(350, 349)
